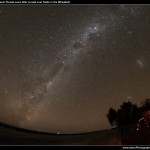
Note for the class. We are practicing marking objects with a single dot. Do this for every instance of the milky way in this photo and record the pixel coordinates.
(64, 66)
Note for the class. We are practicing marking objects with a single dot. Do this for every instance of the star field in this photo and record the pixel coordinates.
(64, 66)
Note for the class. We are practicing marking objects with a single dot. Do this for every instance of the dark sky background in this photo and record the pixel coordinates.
(63, 66)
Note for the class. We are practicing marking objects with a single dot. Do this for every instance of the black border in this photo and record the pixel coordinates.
(68, 2)
(75, 2)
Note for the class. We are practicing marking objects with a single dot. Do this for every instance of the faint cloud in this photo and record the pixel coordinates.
(140, 63)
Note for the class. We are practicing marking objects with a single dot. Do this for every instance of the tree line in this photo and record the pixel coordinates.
(127, 114)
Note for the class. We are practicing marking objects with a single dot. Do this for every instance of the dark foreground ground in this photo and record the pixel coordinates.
(130, 136)
(15, 136)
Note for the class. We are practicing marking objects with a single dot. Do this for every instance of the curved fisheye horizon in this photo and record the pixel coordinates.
(27, 130)
(64, 66)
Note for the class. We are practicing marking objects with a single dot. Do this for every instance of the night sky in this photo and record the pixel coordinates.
(63, 66)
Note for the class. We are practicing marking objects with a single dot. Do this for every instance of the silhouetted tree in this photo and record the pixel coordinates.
(128, 113)
(125, 115)
(112, 116)
(145, 105)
